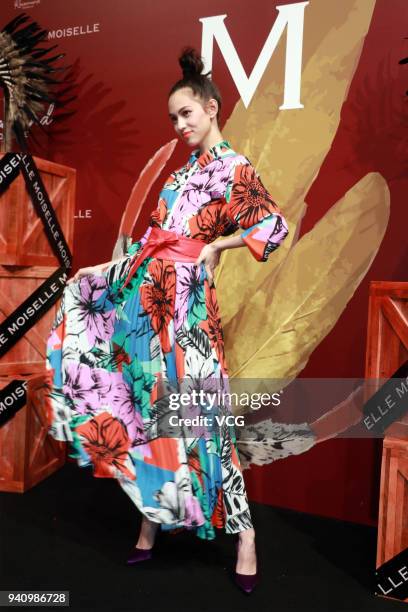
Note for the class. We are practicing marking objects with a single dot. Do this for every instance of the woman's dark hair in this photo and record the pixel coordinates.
(192, 66)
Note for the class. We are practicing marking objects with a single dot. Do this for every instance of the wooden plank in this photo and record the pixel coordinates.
(387, 346)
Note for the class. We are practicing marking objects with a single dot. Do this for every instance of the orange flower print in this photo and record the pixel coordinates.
(106, 441)
(119, 356)
(158, 299)
(212, 325)
(250, 202)
(211, 222)
(194, 465)
(218, 515)
(158, 216)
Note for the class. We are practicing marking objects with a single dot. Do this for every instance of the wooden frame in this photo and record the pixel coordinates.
(387, 350)
(27, 453)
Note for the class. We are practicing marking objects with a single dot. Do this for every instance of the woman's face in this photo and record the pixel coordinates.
(188, 116)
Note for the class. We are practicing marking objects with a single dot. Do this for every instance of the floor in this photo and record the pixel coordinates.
(72, 532)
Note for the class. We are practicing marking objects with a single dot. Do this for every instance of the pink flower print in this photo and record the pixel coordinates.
(204, 186)
(124, 407)
(193, 514)
(188, 290)
(87, 309)
(81, 388)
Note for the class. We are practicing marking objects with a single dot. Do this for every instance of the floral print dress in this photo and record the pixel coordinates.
(114, 355)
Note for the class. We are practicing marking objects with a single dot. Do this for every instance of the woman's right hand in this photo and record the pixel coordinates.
(84, 272)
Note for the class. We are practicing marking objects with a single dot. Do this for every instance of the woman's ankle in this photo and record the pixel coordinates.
(247, 536)
(147, 533)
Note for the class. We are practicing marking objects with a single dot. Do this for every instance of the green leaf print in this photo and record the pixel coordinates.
(142, 384)
(76, 444)
(206, 531)
(196, 307)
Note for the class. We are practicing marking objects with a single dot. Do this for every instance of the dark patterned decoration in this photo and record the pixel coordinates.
(25, 77)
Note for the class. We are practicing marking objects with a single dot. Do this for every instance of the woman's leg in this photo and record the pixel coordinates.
(238, 515)
(147, 534)
(246, 557)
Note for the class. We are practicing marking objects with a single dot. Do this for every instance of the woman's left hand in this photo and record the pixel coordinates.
(210, 255)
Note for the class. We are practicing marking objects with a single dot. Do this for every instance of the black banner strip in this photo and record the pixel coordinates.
(388, 403)
(13, 396)
(31, 310)
(9, 170)
(391, 578)
(12, 399)
(44, 209)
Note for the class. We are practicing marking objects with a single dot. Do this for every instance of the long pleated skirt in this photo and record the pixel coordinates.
(117, 364)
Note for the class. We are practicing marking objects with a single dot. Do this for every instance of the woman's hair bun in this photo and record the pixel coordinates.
(191, 63)
(202, 85)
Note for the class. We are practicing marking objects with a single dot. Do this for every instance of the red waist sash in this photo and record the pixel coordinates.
(164, 244)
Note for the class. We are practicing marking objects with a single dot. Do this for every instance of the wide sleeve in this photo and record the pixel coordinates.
(251, 206)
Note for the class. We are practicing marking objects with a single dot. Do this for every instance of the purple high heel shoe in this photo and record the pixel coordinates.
(246, 582)
(139, 554)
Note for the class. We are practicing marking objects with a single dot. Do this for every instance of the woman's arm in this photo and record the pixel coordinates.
(229, 243)
(94, 269)
(130, 252)
(252, 208)
(105, 265)
(210, 254)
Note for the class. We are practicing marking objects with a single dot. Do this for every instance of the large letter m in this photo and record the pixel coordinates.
(290, 15)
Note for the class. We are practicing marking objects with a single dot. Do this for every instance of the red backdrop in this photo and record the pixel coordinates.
(126, 64)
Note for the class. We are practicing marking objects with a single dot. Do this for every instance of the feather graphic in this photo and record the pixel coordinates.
(265, 441)
(288, 147)
(286, 320)
(297, 296)
(25, 78)
(139, 195)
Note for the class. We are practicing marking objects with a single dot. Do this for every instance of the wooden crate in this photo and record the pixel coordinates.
(26, 258)
(387, 350)
(23, 241)
(27, 453)
(27, 355)
(393, 515)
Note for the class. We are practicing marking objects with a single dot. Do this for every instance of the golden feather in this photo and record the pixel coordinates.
(288, 146)
(288, 318)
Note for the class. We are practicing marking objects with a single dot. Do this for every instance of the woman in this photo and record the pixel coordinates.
(132, 332)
